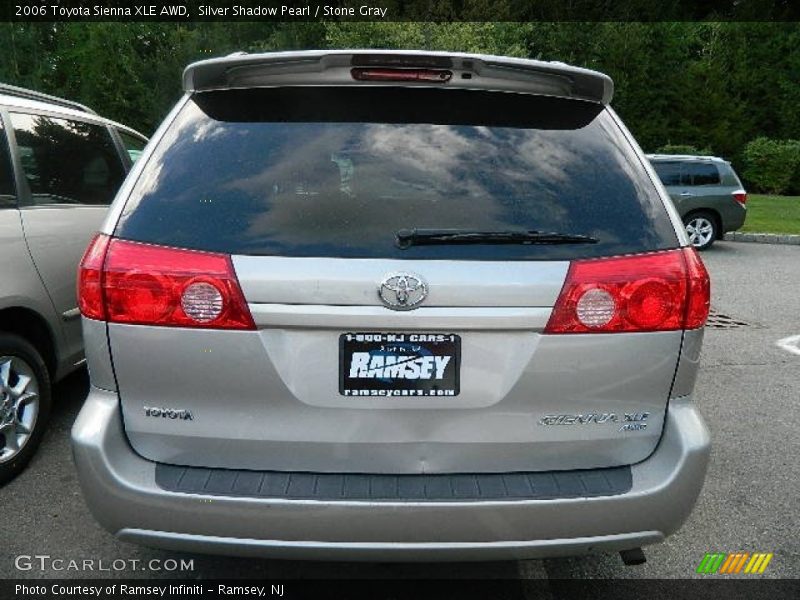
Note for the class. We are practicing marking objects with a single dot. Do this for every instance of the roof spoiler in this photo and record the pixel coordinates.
(473, 71)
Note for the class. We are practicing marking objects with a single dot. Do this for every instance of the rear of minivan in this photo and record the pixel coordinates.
(392, 306)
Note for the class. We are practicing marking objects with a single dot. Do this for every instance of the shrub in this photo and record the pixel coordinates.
(771, 166)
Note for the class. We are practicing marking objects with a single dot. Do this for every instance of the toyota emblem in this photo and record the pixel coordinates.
(402, 291)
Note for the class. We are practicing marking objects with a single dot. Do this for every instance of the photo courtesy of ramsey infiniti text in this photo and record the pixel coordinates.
(392, 305)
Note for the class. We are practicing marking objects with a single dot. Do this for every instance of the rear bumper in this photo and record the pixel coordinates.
(121, 491)
(733, 217)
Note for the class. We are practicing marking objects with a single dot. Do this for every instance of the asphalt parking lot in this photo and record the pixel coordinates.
(748, 391)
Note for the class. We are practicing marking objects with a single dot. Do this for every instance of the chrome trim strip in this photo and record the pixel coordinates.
(391, 550)
(369, 317)
(72, 313)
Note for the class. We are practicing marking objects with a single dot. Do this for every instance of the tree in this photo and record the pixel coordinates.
(710, 85)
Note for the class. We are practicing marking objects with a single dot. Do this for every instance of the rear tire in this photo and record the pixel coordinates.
(702, 229)
(24, 403)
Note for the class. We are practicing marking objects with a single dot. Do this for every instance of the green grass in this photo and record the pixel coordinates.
(772, 214)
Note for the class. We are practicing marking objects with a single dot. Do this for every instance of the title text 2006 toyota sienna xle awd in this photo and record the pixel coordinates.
(378, 305)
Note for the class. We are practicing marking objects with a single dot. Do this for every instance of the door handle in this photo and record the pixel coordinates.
(686, 194)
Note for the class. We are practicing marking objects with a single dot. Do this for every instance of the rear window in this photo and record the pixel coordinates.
(133, 144)
(336, 172)
(702, 174)
(668, 172)
(687, 173)
(67, 161)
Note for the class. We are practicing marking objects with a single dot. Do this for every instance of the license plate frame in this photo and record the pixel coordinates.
(411, 364)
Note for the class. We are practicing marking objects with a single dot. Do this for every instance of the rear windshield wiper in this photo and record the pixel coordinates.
(429, 237)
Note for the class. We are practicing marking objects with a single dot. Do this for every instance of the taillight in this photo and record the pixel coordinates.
(740, 196)
(153, 285)
(698, 300)
(661, 291)
(90, 278)
(427, 75)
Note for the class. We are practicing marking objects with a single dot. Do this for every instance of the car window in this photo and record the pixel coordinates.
(337, 172)
(728, 175)
(133, 144)
(8, 195)
(668, 172)
(67, 161)
(702, 173)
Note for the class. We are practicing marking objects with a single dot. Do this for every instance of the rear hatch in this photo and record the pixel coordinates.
(373, 226)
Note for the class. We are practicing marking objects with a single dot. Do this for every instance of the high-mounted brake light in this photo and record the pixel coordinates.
(740, 196)
(135, 283)
(660, 291)
(428, 75)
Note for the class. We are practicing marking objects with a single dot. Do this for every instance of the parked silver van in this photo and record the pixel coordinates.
(392, 306)
(60, 166)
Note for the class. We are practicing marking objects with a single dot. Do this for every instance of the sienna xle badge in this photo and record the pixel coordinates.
(392, 306)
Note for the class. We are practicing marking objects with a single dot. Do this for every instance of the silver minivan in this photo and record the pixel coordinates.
(60, 166)
(392, 306)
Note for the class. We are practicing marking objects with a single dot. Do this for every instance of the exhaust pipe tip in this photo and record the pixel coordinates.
(634, 556)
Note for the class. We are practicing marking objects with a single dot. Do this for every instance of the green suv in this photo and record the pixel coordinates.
(707, 193)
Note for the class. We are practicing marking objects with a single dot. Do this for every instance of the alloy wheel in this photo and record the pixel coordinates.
(701, 231)
(19, 405)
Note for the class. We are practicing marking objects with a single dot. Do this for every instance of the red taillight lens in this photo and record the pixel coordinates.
(698, 300)
(661, 291)
(740, 196)
(90, 278)
(153, 285)
(428, 75)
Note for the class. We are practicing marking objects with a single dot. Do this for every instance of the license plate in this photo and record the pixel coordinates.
(399, 364)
